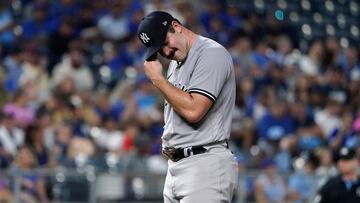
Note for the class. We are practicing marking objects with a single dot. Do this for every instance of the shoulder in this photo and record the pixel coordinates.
(207, 46)
(331, 183)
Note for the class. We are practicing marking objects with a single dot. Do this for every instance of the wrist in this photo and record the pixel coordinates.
(157, 81)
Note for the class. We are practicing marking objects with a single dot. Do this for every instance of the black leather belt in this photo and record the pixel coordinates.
(176, 154)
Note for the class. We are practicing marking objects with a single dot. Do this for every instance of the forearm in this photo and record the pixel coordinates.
(41, 189)
(191, 106)
(182, 102)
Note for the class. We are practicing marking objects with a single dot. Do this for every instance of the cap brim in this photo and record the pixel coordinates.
(350, 157)
(155, 47)
(150, 51)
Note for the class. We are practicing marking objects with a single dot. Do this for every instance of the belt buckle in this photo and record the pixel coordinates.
(170, 153)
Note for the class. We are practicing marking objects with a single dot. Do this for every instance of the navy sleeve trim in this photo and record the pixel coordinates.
(203, 92)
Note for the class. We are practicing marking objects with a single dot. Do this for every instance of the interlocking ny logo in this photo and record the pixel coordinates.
(144, 38)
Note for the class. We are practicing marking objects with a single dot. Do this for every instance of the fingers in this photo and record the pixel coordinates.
(153, 69)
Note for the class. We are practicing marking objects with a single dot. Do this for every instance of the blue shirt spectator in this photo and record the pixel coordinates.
(276, 123)
(39, 25)
(6, 23)
(302, 185)
(13, 69)
(64, 8)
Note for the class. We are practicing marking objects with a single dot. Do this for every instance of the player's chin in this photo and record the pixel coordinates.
(179, 57)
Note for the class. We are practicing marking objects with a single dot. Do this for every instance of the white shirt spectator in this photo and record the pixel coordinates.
(11, 142)
(308, 66)
(109, 140)
(327, 122)
(81, 76)
(112, 27)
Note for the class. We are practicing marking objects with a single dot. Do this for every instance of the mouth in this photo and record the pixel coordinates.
(171, 54)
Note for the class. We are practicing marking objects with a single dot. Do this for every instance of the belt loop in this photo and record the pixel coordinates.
(188, 151)
(185, 151)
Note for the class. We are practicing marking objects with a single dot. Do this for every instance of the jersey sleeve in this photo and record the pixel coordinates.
(211, 71)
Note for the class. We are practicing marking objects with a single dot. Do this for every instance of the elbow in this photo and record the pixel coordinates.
(193, 117)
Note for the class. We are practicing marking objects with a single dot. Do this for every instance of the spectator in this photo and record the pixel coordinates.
(11, 138)
(39, 25)
(34, 140)
(344, 135)
(308, 133)
(113, 26)
(13, 63)
(19, 109)
(283, 50)
(146, 99)
(350, 63)
(32, 186)
(109, 138)
(276, 123)
(79, 153)
(104, 107)
(5, 194)
(87, 18)
(336, 84)
(244, 137)
(326, 166)
(65, 8)
(258, 106)
(333, 52)
(34, 78)
(124, 100)
(218, 31)
(131, 131)
(46, 125)
(7, 21)
(85, 112)
(137, 13)
(73, 66)
(3, 92)
(302, 184)
(59, 41)
(61, 142)
(187, 10)
(269, 186)
(260, 57)
(241, 53)
(329, 119)
(128, 55)
(310, 64)
(59, 103)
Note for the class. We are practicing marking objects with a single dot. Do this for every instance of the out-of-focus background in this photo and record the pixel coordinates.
(80, 122)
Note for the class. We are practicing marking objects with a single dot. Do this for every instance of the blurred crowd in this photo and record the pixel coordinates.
(73, 93)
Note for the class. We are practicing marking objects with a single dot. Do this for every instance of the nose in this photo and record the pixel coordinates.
(165, 51)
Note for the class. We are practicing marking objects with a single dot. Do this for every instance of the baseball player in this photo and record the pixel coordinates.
(199, 90)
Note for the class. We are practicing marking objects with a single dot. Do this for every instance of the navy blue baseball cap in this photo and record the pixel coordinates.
(152, 31)
(346, 153)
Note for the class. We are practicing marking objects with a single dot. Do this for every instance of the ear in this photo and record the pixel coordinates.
(177, 26)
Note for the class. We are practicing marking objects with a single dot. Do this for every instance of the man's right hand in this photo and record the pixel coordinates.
(154, 70)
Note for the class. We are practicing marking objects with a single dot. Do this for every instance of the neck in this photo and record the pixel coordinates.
(191, 39)
(38, 145)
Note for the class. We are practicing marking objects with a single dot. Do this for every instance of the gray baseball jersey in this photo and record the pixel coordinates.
(208, 70)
